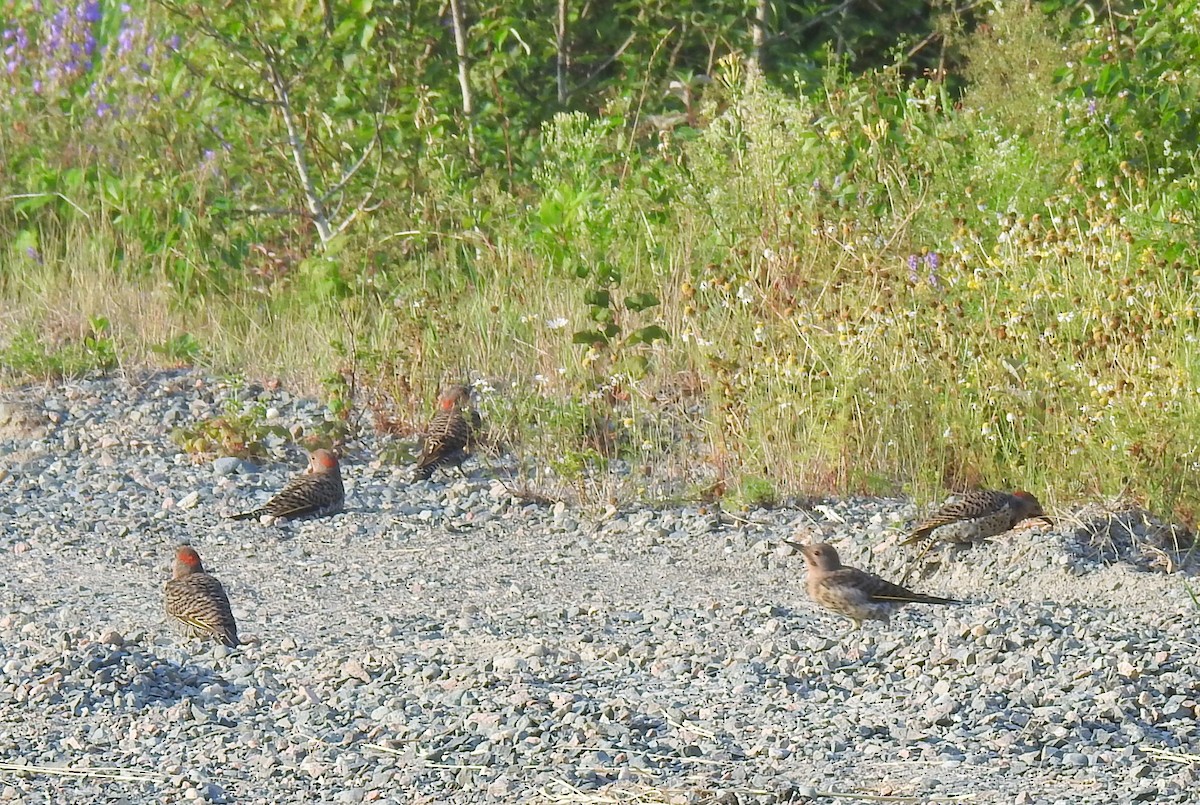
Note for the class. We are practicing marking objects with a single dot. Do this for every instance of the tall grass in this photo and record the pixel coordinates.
(874, 287)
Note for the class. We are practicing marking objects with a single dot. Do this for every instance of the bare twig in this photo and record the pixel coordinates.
(98, 773)
(255, 209)
(16, 196)
(1166, 754)
(353, 169)
(616, 54)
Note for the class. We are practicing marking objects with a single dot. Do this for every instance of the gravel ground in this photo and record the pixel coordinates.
(446, 642)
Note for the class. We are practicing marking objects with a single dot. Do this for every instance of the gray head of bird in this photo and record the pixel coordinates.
(321, 462)
(1030, 506)
(187, 561)
(820, 556)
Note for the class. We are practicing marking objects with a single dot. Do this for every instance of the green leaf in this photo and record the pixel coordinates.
(33, 202)
(26, 239)
(650, 334)
(641, 301)
(638, 365)
(550, 213)
(598, 298)
(72, 179)
(368, 33)
(590, 337)
(609, 273)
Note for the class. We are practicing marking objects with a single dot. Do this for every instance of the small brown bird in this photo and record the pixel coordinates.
(976, 516)
(315, 492)
(197, 602)
(852, 593)
(450, 432)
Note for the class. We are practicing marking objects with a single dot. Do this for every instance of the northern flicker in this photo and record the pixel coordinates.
(197, 601)
(450, 432)
(315, 492)
(972, 517)
(852, 593)
(976, 516)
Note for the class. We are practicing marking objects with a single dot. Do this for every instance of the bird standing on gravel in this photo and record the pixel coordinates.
(977, 515)
(197, 601)
(315, 492)
(852, 593)
(450, 431)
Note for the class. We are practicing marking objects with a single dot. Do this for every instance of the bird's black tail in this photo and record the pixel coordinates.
(254, 515)
(424, 471)
(921, 598)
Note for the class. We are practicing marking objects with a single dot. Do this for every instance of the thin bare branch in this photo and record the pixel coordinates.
(349, 174)
(258, 210)
(78, 209)
(604, 65)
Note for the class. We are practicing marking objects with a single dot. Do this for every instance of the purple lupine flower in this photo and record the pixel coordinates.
(932, 261)
(32, 254)
(173, 43)
(89, 11)
(914, 262)
(125, 39)
(103, 109)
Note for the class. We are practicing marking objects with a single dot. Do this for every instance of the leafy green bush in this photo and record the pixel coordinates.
(241, 431)
(31, 356)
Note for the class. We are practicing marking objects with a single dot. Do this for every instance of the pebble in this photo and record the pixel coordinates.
(227, 465)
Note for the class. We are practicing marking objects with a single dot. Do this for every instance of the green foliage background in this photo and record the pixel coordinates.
(912, 249)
